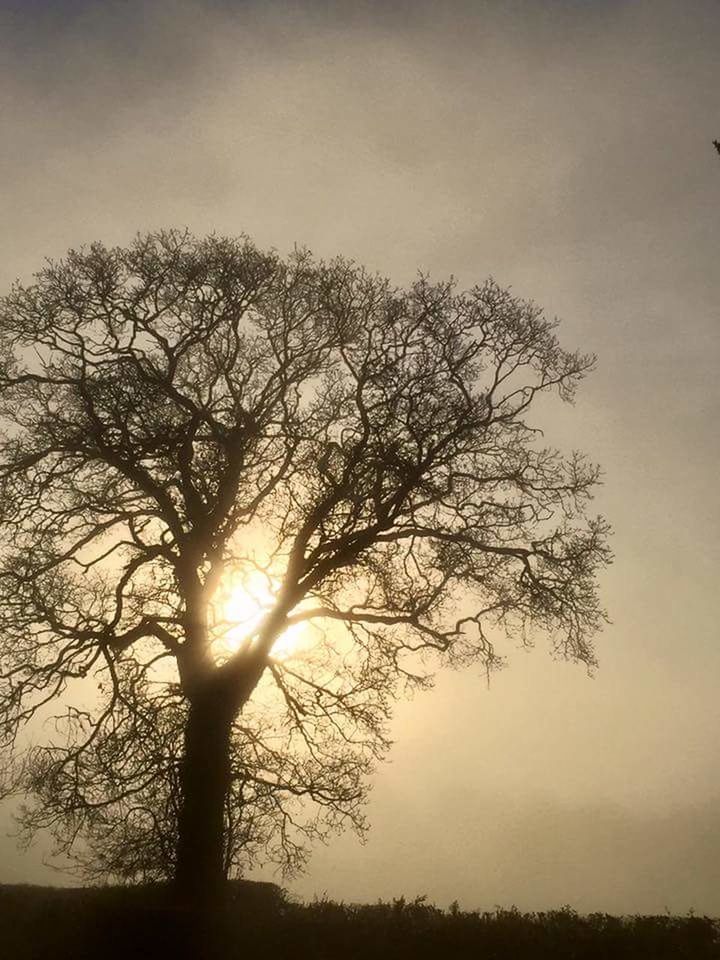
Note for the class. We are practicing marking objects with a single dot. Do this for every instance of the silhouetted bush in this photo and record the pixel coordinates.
(259, 921)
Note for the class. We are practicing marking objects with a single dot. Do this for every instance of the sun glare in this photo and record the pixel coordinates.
(245, 602)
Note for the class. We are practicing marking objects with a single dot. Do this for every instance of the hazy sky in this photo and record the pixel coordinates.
(563, 147)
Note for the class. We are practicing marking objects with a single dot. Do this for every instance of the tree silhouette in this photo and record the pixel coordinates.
(187, 418)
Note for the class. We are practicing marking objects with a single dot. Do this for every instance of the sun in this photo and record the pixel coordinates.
(245, 601)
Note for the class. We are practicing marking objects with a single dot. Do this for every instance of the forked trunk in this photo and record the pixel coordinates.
(199, 869)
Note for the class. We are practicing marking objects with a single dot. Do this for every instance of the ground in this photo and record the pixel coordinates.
(259, 921)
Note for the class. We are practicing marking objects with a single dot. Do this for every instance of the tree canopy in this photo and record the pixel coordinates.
(188, 421)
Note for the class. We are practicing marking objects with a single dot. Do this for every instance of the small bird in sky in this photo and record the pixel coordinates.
(716, 144)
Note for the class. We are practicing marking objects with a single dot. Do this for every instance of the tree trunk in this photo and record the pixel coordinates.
(199, 867)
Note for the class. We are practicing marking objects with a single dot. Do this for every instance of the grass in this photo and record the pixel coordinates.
(258, 922)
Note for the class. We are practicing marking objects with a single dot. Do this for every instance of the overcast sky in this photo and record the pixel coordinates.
(563, 147)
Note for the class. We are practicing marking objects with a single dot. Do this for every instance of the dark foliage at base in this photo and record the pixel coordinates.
(258, 921)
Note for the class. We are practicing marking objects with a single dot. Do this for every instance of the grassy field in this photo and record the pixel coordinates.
(259, 922)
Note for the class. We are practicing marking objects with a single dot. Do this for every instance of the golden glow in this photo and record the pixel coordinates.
(244, 603)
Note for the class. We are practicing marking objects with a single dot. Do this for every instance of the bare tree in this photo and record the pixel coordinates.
(188, 418)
